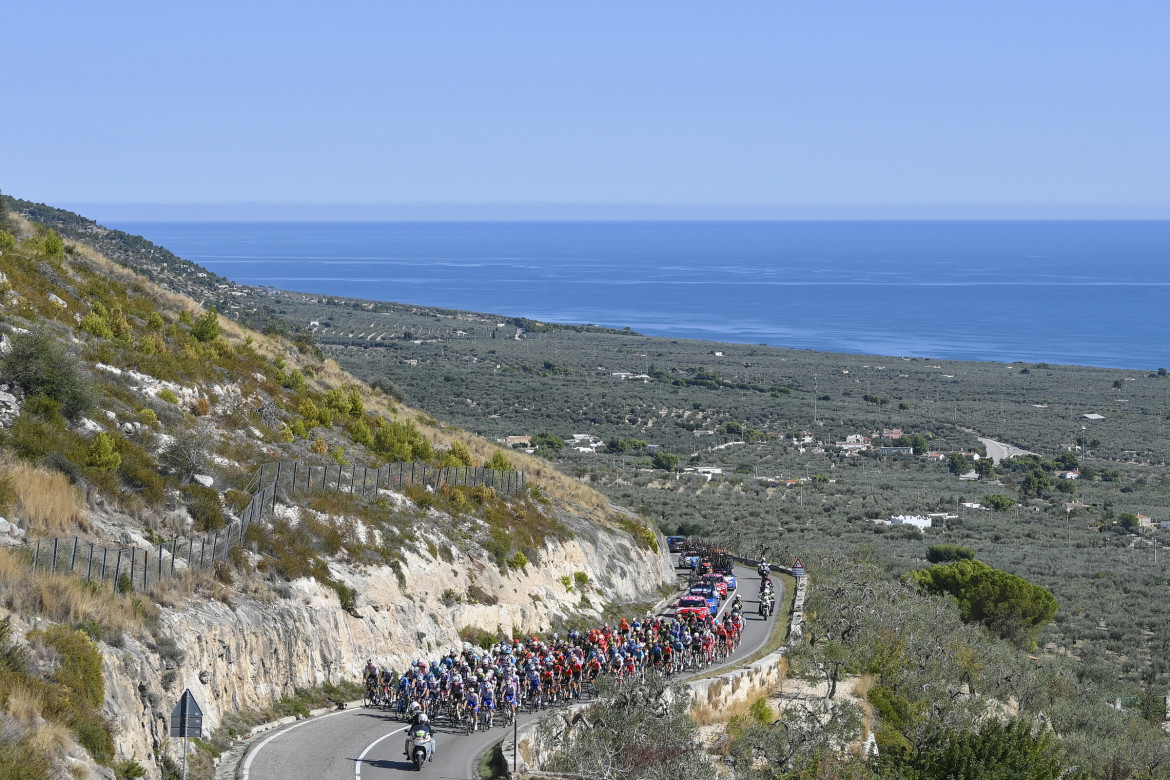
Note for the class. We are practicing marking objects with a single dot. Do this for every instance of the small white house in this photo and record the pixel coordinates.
(921, 523)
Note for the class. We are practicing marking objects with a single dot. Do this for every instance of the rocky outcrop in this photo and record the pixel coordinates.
(252, 653)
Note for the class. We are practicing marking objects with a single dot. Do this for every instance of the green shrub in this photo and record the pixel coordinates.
(102, 453)
(168, 395)
(41, 365)
(360, 433)
(80, 667)
(95, 326)
(499, 462)
(517, 561)
(945, 553)
(402, 442)
(129, 770)
(477, 636)
(138, 471)
(457, 456)
(206, 328)
(761, 712)
(34, 438)
(204, 505)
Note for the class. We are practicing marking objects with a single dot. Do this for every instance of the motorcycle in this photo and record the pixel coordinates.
(422, 747)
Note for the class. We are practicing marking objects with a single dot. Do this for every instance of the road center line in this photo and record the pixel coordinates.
(357, 772)
(282, 732)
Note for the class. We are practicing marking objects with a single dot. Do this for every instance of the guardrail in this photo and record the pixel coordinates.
(130, 566)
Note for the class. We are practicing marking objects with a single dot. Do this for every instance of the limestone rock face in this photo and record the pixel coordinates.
(251, 654)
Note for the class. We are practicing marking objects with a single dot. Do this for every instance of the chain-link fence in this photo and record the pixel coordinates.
(136, 567)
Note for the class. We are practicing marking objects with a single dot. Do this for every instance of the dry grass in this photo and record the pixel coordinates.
(24, 704)
(705, 715)
(45, 500)
(53, 737)
(860, 690)
(61, 597)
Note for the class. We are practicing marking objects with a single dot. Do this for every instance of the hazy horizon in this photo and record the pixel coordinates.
(455, 212)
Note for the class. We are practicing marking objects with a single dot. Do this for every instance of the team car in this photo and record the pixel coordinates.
(692, 605)
(729, 578)
(675, 543)
(706, 591)
(718, 584)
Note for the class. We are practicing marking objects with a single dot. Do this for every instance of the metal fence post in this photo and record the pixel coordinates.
(89, 571)
(160, 552)
(214, 541)
(117, 570)
(73, 555)
(105, 554)
(190, 552)
(294, 477)
(274, 484)
(54, 554)
(145, 566)
(202, 549)
(174, 552)
(352, 473)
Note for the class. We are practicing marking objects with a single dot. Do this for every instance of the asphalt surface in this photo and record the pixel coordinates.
(368, 744)
(998, 451)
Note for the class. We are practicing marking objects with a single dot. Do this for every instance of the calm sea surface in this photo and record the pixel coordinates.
(1094, 293)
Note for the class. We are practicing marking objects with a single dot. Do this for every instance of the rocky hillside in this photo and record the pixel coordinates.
(132, 418)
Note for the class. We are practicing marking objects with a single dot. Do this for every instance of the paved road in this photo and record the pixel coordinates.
(367, 744)
(998, 451)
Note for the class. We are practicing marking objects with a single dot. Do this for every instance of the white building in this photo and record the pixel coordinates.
(921, 523)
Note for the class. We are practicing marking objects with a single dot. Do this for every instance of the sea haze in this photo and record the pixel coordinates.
(1093, 293)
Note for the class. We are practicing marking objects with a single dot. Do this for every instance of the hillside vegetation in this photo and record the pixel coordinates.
(129, 415)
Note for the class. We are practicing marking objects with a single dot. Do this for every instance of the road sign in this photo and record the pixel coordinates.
(798, 569)
(186, 717)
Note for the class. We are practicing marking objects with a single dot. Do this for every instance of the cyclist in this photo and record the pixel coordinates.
(471, 703)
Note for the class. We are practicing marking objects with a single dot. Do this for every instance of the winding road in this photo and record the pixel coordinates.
(367, 744)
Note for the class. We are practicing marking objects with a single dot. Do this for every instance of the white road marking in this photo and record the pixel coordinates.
(282, 732)
(357, 772)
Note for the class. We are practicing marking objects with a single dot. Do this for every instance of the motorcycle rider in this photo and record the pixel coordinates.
(421, 730)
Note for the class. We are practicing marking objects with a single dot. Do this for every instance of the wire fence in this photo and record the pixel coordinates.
(134, 567)
(290, 476)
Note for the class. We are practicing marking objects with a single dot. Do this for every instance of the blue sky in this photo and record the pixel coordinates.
(785, 109)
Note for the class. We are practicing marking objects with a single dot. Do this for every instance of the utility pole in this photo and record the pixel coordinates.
(815, 400)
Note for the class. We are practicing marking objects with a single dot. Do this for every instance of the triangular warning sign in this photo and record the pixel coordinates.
(798, 564)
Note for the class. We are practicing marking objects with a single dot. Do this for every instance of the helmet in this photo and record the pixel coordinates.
(423, 718)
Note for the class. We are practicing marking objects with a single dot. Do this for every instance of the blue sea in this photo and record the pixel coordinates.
(1091, 293)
